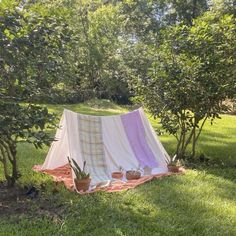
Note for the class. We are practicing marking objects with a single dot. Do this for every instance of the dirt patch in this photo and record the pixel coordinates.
(17, 203)
(12, 200)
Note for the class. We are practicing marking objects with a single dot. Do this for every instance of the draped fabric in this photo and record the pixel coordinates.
(106, 143)
(135, 132)
(91, 144)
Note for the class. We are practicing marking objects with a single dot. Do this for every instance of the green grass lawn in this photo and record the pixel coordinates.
(201, 202)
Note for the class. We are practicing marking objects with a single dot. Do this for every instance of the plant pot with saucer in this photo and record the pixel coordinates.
(174, 165)
(133, 174)
(117, 174)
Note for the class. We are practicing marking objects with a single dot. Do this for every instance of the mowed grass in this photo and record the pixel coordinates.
(201, 202)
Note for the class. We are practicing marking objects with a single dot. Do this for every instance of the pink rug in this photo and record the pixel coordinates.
(63, 174)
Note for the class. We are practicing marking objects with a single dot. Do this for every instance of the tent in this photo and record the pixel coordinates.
(106, 143)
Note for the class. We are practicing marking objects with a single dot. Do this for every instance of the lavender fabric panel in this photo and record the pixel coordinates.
(135, 133)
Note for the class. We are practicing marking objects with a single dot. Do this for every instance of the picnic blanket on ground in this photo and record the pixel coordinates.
(63, 174)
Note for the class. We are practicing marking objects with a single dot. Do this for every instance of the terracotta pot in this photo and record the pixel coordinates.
(133, 174)
(117, 175)
(173, 169)
(82, 184)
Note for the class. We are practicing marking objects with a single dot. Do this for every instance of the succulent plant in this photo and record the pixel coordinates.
(79, 173)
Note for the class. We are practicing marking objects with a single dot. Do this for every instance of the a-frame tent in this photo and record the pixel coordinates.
(107, 143)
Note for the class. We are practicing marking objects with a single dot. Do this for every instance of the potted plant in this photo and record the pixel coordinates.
(82, 180)
(117, 174)
(133, 174)
(174, 165)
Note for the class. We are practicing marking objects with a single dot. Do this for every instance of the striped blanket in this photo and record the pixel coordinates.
(91, 144)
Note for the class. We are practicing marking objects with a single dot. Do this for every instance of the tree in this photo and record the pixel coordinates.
(192, 74)
(184, 11)
(20, 123)
(24, 50)
(32, 41)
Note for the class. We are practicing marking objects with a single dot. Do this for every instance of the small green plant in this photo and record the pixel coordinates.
(79, 173)
(174, 161)
(135, 171)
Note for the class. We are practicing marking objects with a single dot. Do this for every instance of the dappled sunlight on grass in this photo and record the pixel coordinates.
(199, 199)
(175, 205)
(217, 141)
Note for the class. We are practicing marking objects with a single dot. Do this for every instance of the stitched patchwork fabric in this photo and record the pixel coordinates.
(92, 148)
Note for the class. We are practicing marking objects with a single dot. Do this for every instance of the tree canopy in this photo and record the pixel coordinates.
(192, 73)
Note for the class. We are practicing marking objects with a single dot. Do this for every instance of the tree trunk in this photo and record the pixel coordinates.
(179, 145)
(8, 156)
(3, 154)
(15, 172)
(194, 143)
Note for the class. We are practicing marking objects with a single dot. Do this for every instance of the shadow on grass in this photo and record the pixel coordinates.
(197, 203)
(216, 136)
(195, 210)
(226, 173)
(169, 207)
(227, 185)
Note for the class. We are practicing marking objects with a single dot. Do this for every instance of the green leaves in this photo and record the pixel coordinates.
(21, 123)
(25, 122)
(80, 174)
(32, 42)
(193, 73)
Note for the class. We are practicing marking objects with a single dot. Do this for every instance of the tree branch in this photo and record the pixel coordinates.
(8, 150)
(200, 129)
(4, 161)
